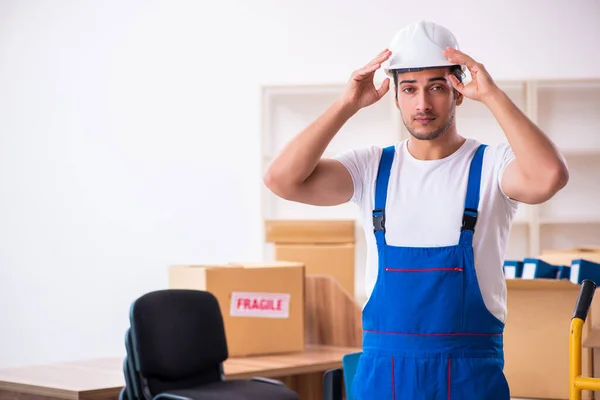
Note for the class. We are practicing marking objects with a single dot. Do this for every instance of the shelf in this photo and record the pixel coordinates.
(567, 236)
(569, 115)
(568, 84)
(472, 115)
(591, 220)
(574, 153)
(578, 201)
(518, 243)
(288, 112)
(522, 215)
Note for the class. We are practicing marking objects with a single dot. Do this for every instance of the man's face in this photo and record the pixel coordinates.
(427, 102)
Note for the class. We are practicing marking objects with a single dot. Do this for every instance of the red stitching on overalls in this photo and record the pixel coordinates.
(393, 381)
(434, 334)
(448, 379)
(422, 270)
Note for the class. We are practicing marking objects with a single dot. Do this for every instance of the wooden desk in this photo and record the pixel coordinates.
(333, 329)
(102, 379)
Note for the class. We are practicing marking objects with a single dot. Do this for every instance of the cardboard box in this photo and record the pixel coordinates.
(578, 249)
(262, 304)
(309, 231)
(536, 339)
(566, 256)
(324, 247)
(332, 260)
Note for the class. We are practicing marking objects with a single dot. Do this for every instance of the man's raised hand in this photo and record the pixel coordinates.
(482, 87)
(361, 91)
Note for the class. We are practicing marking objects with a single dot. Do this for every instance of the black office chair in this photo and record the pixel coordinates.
(132, 377)
(337, 382)
(127, 391)
(178, 345)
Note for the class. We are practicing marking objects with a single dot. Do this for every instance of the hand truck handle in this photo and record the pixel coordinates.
(584, 301)
(578, 382)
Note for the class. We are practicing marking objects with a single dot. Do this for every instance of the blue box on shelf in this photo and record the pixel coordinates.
(534, 268)
(564, 272)
(513, 269)
(583, 269)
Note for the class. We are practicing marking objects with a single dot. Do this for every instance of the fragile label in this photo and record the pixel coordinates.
(261, 305)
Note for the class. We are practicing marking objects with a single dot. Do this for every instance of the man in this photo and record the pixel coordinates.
(437, 210)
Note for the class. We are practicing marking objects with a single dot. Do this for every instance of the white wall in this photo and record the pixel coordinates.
(121, 121)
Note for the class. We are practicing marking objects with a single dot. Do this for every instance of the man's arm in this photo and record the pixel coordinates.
(538, 171)
(299, 173)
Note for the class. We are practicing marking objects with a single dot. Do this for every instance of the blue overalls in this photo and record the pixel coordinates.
(427, 334)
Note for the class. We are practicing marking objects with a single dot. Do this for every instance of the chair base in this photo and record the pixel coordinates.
(256, 388)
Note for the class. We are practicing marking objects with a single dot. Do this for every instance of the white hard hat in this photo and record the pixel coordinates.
(420, 45)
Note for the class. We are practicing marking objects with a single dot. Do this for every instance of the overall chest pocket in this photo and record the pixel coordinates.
(424, 299)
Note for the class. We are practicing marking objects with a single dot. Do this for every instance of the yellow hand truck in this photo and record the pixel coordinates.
(577, 383)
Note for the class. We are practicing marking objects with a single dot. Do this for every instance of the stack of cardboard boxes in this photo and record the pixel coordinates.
(537, 331)
(262, 303)
(324, 247)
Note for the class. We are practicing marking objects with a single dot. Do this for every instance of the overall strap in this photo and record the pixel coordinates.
(472, 199)
(381, 188)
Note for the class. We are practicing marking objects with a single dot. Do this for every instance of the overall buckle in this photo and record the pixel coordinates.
(469, 220)
(379, 220)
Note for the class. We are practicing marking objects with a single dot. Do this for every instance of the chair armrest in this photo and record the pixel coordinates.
(267, 380)
(333, 384)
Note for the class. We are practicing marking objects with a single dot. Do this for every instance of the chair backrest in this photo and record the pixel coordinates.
(349, 365)
(178, 339)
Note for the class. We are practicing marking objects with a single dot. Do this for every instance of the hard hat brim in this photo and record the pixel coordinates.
(390, 70)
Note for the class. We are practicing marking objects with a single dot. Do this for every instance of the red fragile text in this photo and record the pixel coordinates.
(244, 303)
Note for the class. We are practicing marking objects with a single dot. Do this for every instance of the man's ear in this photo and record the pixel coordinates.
(459, 97)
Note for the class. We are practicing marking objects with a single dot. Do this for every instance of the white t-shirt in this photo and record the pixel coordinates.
(425, 204)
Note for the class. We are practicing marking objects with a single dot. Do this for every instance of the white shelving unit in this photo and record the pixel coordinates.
(567, 110)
